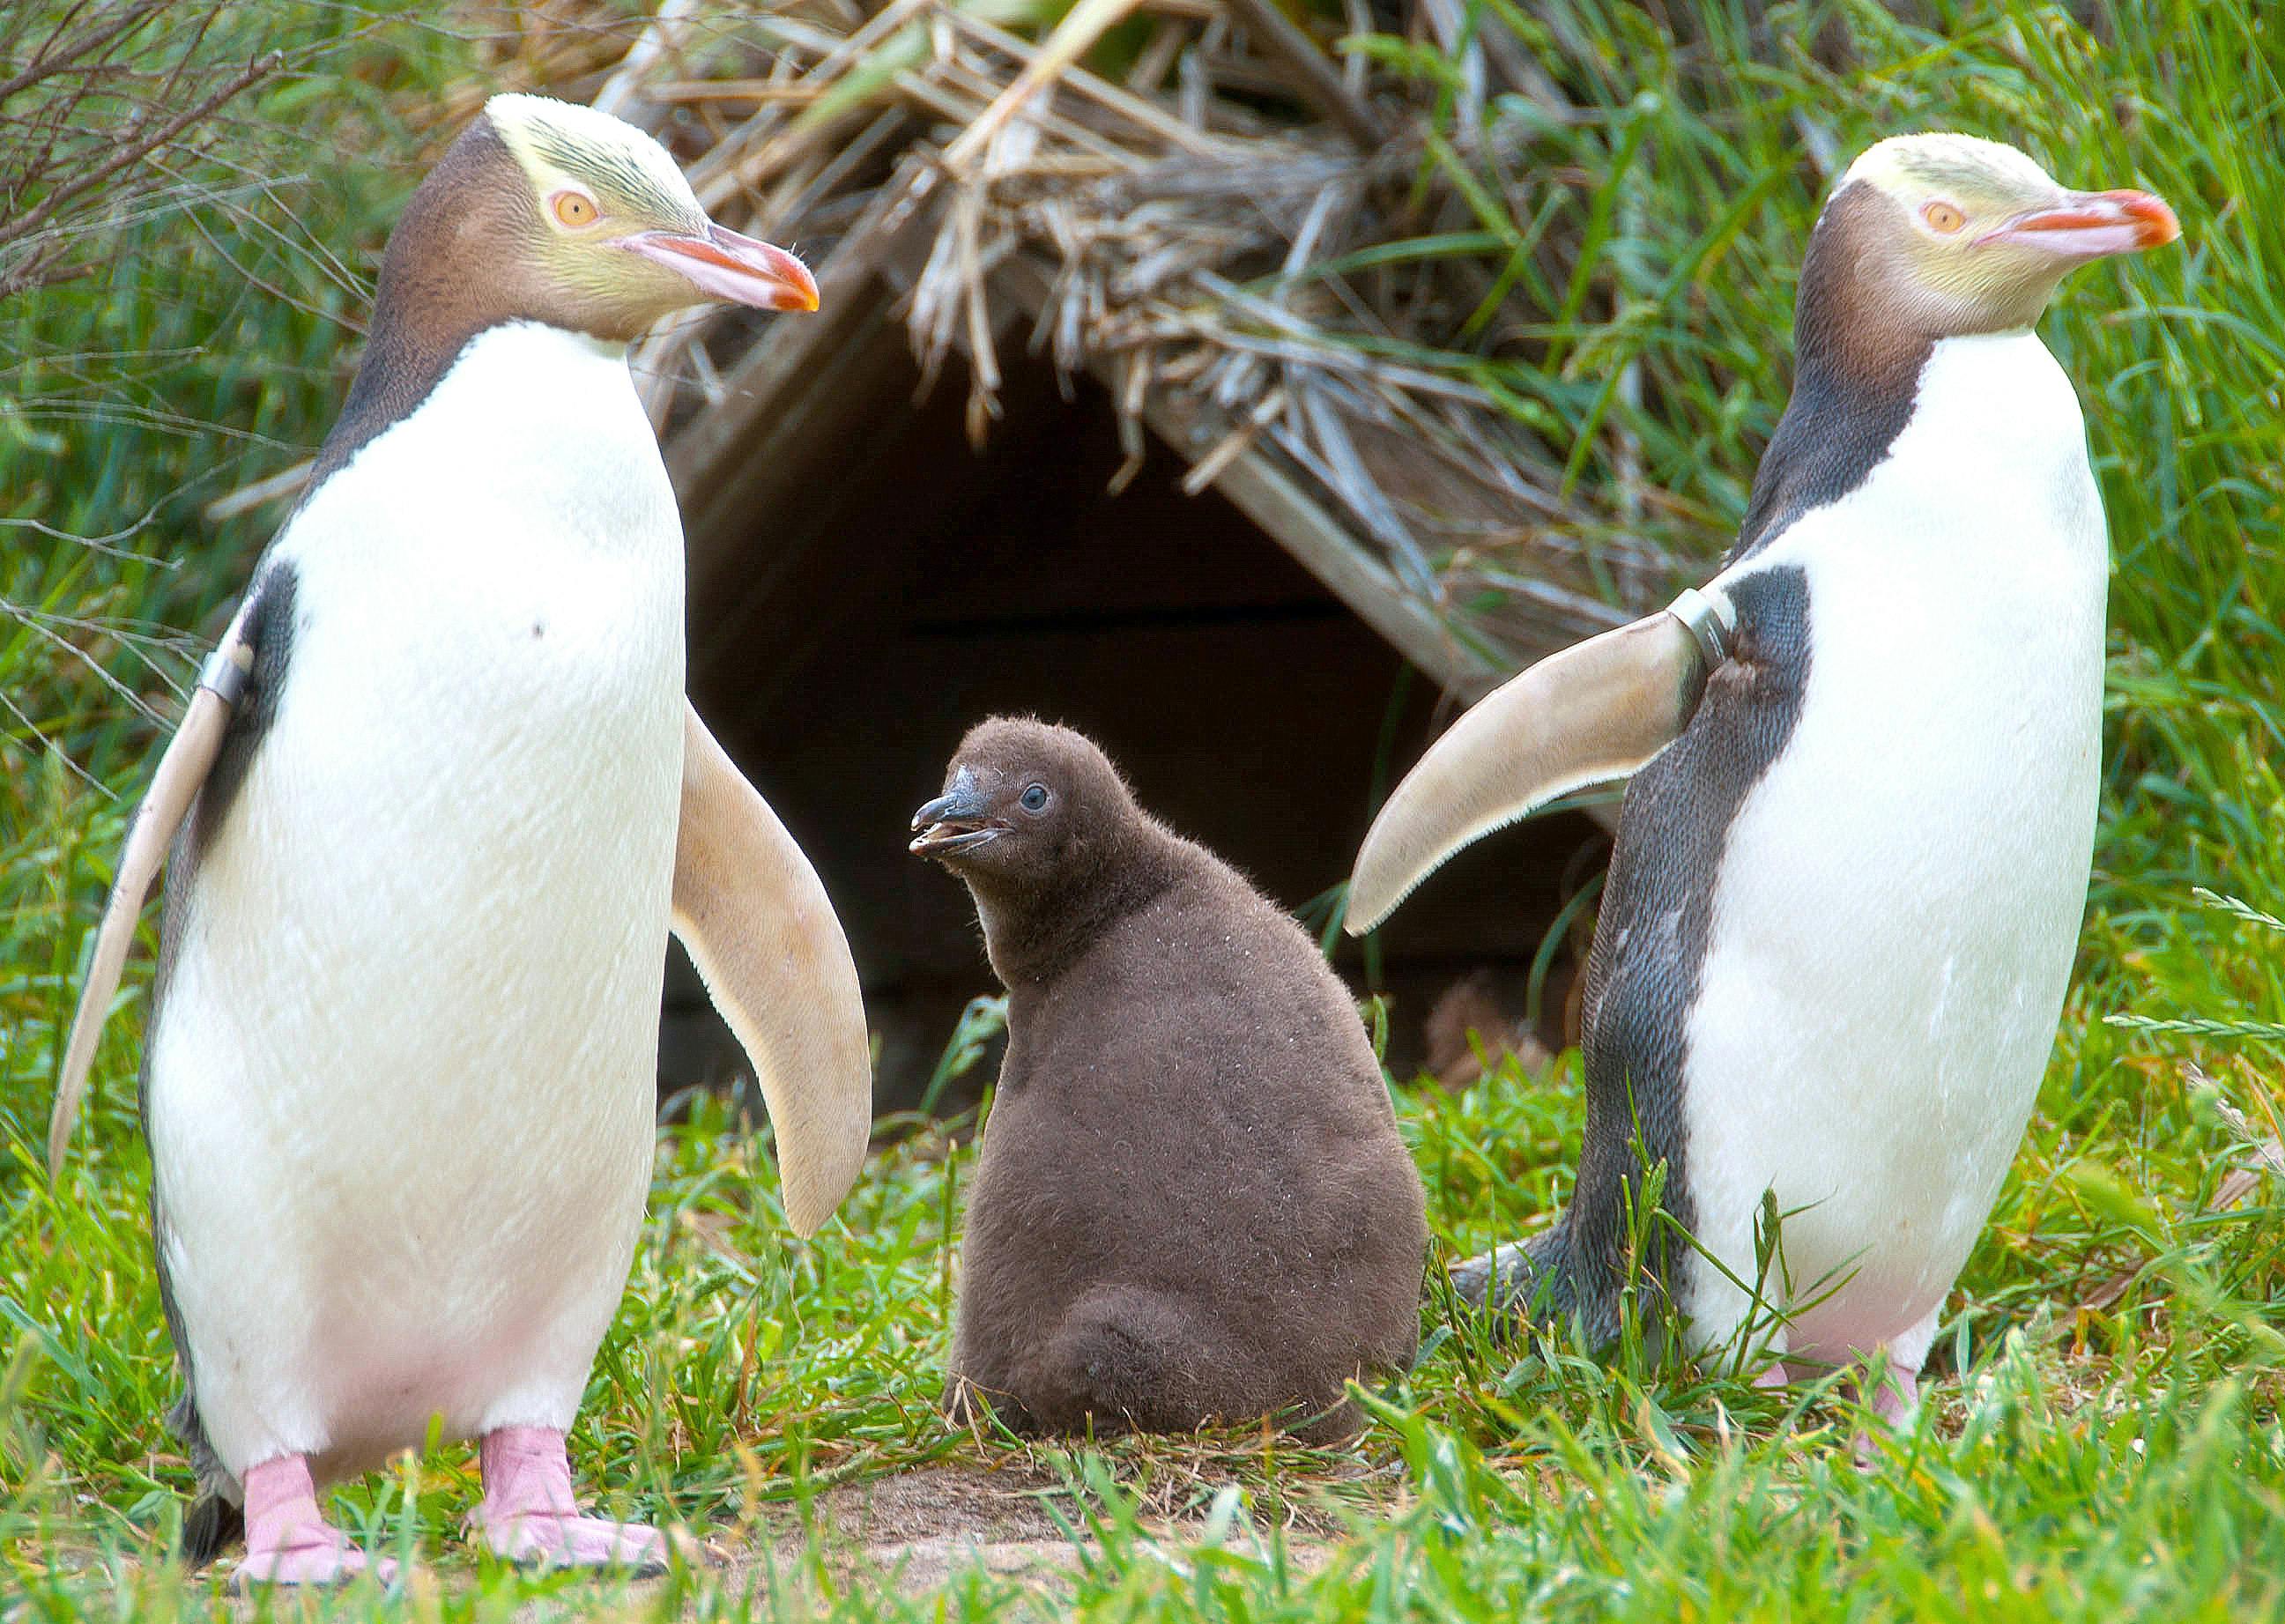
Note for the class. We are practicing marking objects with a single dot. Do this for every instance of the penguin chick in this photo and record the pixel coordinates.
(1191, 1201)
(1850, 868)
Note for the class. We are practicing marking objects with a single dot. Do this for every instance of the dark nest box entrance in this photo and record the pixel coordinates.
(865, 586)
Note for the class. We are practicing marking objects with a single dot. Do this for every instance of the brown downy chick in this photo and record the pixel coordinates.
(1192, 1203)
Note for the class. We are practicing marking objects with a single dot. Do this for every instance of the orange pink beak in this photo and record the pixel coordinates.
(733, 268)
(2091, 225)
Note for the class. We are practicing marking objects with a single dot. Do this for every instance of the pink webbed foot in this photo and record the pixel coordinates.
(1774, 1374)
(529, 1514)
(1895, 1398)
(289, 1540)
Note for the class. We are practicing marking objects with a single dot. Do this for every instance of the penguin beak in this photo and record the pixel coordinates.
(2091, 224)
(956, 821)
(735, 269)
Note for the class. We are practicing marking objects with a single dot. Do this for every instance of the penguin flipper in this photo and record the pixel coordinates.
(759, 926)
(1589, 715)
(189, 756)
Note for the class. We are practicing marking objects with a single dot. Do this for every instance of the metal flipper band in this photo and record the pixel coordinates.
(1711, 618)
(227, 675)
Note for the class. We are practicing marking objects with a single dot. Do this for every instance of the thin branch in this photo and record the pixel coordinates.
(255, 71)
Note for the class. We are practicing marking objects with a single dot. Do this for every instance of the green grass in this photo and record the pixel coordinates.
(2103, 1441)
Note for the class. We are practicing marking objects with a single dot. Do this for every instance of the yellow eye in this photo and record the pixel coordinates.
(573, 208)
(1943, 217)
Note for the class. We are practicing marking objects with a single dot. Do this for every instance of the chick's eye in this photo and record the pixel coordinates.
(1034, 797)
(572, 209)
(1942, 217)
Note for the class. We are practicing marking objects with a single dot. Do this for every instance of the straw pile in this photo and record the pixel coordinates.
(1265, 250)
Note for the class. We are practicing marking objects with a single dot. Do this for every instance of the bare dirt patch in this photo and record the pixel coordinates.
(920, 1529)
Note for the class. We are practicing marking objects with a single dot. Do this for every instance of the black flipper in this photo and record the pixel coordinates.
(216, 1519)
(1644, 971)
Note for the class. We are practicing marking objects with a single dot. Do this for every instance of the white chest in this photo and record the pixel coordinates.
(515, 537)
(1899, 897)
(485, 673)
(407, 1052)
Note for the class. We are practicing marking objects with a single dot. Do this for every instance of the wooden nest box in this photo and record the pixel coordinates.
(865, 583)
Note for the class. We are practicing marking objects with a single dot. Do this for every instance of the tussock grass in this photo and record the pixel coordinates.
(2104, 1442)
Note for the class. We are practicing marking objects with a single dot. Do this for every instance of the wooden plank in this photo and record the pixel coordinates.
(1267, 492)
(1276, 497)
(726, 461)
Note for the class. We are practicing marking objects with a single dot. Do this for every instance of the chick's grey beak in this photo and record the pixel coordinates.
(722, 264)
(944, 807)
(957, 820)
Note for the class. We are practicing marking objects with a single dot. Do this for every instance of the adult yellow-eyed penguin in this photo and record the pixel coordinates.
(1850, 869)
(399, 1074)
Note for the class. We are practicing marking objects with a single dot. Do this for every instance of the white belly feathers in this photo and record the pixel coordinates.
(1900, 896)
(401, 1080)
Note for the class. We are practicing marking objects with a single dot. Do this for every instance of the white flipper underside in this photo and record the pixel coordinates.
(756, 919)
(1586, 716)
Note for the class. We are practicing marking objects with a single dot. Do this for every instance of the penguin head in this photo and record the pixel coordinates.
(546, 211)
(1968, 236)
(1032, 814)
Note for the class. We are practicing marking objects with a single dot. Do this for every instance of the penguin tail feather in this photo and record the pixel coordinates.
(213, 1524)
(217, 1520)
(1532, 1279)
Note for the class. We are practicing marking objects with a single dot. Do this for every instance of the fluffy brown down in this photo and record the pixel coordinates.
(1192, 1203)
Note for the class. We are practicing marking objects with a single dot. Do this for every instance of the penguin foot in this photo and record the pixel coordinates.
(288, 1541)
(529, 1514)
(326, 1558)
(547, 1539)
(1895, 1398)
